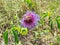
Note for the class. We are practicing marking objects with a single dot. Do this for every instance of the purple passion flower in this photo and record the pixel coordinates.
(30, 19)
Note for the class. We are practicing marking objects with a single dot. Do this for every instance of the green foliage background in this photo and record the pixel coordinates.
(48, 30)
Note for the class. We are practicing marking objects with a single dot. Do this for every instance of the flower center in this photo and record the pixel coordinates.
(28, 19)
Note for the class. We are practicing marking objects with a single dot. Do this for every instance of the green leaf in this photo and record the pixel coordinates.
(58, 21)
(46, 31)
(5, 37)
(16, 28)
(28, 1)
(45, 14)
(51, 25)
(24, 31)
(41, 21)
(15, 36)
(51, 22)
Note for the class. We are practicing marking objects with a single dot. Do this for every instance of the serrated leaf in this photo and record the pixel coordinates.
(5, 37)
(15, 36)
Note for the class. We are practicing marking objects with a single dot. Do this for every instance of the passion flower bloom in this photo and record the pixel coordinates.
(29, 19)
